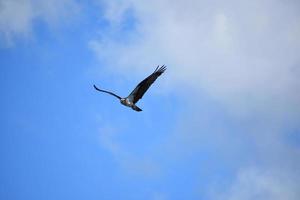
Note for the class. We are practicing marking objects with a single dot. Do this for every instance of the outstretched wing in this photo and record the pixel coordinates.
(143, 86)
(107, 92)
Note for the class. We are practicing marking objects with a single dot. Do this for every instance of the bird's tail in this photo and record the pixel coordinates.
(134, 107)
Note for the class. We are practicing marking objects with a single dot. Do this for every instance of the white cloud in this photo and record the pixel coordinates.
(240, 53)
(17, 17)
(259, 184)
(244, 56)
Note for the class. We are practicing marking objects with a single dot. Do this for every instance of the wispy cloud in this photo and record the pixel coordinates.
(240, 53)
(243, 58)
(17, 17)
(259, 184)
(131, 163)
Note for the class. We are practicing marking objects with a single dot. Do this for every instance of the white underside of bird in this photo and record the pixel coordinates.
(126, 102)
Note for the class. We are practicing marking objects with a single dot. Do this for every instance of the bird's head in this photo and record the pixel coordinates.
(123, 101)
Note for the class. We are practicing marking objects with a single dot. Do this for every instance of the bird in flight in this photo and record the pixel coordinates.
(139, 90)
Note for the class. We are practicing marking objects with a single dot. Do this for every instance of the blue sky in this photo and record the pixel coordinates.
(221, 123)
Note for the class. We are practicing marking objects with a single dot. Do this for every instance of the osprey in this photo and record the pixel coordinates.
(139, 90)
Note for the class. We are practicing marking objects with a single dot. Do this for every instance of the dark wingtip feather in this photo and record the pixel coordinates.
(95, 87)
(161, 69)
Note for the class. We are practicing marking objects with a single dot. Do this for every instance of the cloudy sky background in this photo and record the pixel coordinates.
(223, 122)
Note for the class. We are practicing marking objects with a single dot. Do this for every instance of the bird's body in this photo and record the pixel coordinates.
(139, 91)
(128, 103)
